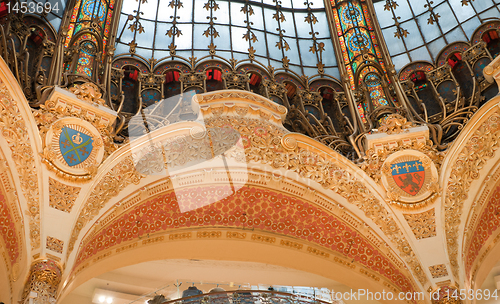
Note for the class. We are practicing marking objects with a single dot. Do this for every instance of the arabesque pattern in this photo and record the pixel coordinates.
(251, 208)
(489, 222)
(8, 231)
(481, 146)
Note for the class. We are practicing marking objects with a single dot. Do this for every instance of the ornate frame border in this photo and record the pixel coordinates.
(398, 196)
(52, 150)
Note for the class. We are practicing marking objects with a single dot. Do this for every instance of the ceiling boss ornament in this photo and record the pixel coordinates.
(74, 147)
(410, 178)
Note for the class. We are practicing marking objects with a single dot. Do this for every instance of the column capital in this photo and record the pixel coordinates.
(43, 282)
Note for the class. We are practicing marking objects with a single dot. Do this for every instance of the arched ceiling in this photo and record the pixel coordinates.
(171, 277)
(317, 188)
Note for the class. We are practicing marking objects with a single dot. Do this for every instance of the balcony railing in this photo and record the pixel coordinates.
(245, 297)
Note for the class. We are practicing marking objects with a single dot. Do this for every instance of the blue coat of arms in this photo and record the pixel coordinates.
(75, 146)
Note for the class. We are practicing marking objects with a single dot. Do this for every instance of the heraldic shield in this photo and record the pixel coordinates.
(75, 146)
(409, 176)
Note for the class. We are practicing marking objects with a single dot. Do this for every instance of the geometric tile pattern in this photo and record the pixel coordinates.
(62, 197)
(438, 271)
(54, 244)
(250, 207)
(422, 224)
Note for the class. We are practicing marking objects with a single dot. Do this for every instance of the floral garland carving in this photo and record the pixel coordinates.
(122, 175)
(472, 158)
(89, 93)
(15, 133)
(263, 144)
(394, 124)
(45, 277)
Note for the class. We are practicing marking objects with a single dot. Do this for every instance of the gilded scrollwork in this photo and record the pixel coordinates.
(374, 159)
(51, 112)
(438, 271)
(62, 197)
(269, 149)
(262, 142)
(181, 150)
(446, 295)
(474, 155)
(122, 175)
(15, 133)
(54, 244)
(423, 225)
(44, 279)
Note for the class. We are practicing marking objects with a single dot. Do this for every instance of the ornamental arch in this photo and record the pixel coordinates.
(20, 179)
(221, 231)
(315, 180)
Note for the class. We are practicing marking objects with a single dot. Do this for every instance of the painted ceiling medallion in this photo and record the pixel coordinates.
(410, 178)
(74, 146)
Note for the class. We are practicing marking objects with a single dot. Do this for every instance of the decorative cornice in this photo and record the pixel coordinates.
(267, 143)
(237, 98)
(283, 215)
(477, 149)
(15, 133)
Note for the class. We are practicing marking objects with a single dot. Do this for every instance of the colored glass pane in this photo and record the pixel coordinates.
(100, 11)
(152, 26)
(356, 34)
(375, 90)
(362, 113)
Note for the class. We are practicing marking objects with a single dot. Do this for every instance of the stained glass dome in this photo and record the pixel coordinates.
(54, 16)
(419, 30)
(277, 32)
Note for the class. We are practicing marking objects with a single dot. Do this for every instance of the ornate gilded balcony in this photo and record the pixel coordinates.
(244, 297)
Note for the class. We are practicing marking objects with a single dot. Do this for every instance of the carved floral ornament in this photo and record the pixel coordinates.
(15, 133)
(88, 92)
(269, 144)
(480, 147)
(394, 124)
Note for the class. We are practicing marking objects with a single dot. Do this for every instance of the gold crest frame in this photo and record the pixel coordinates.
(52, 152)
(398, 196)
